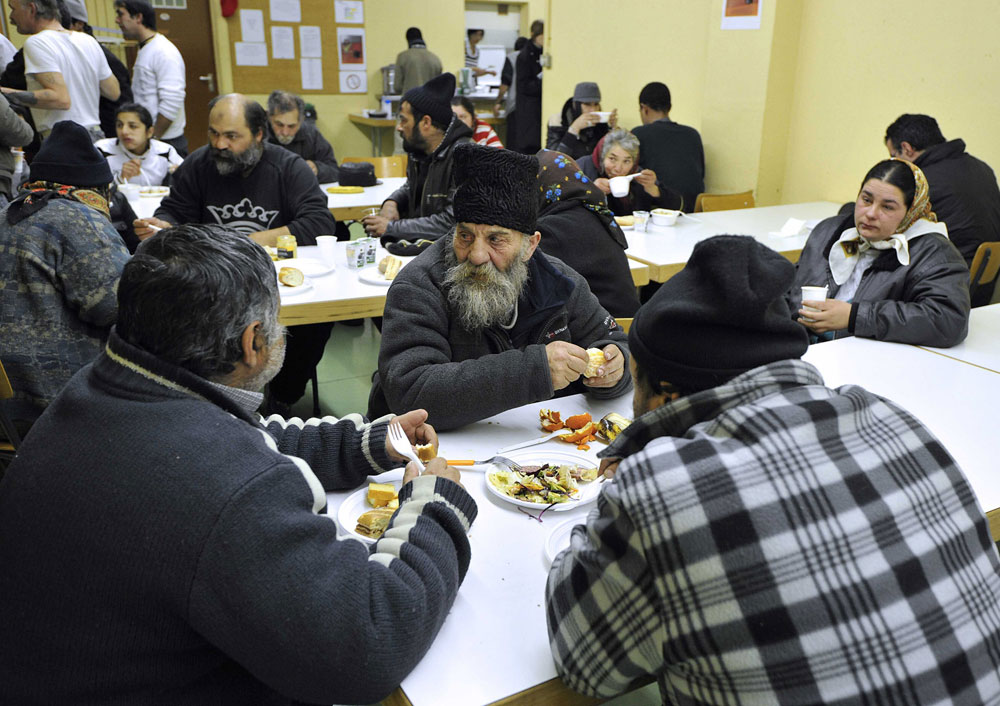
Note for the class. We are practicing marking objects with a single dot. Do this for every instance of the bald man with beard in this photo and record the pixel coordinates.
(483, 321)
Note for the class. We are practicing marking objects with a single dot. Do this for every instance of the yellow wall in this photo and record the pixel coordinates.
(862, 63)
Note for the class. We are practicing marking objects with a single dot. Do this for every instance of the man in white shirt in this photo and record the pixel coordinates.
(158, 80)
(66, 72)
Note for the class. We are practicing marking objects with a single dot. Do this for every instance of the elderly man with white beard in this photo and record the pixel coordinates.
(482, 322)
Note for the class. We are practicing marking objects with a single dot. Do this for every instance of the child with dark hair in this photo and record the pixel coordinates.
(134, 155)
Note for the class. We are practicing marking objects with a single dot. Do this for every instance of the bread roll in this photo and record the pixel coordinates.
(596, 361)
(392, 267)
(291, 276)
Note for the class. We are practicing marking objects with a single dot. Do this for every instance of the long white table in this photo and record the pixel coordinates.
(342, 206)
(344, 295)
(494, 643)
(982, 347)
(667, 249)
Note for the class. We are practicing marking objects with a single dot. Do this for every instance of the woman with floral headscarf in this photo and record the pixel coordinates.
(578, 228)
(890, 271)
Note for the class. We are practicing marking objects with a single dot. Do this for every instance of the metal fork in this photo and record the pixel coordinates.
(401, 445)
(498, 460)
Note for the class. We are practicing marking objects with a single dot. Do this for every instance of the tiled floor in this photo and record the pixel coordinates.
(345, 373)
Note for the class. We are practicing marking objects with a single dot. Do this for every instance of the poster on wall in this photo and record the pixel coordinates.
(741, 14)
(349, 12)
(353, 82)
(282, 43)
(351, 43)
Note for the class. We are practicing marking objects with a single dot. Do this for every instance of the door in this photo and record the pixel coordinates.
(190, 29)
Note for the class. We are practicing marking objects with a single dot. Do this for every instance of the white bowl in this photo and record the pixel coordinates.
(663, 217)
(603, 116)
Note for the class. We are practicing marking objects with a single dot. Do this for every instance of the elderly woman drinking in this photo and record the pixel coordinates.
(617, 155)
(891, 272)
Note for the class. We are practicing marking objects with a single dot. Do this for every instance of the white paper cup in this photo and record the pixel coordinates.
(603, 116)
(813, 294)
(619, 186)
(327, 248)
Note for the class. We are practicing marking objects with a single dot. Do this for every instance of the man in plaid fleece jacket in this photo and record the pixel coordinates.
(767, 539)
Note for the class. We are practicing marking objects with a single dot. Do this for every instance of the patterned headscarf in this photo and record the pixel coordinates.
(921, 206)
(34, 195)
(559, 179)
(919, 220)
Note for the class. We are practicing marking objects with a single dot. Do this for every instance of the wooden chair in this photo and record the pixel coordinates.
(9, 447)
(983, 282)
(394, 166)
(624, 324)
(723, 202)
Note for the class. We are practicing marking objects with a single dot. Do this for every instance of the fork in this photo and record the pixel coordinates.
(497, 460)
(401, 445)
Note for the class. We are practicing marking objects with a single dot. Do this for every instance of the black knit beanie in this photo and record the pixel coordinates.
(723, 314)
(434, 98)
(496, 187)
(68, 156)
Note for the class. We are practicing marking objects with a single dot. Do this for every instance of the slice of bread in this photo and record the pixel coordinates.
(291, 276)
(373, 523)
(425, 452)
(392, 267)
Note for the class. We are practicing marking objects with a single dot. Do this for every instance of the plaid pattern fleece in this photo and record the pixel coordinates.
(773, 541)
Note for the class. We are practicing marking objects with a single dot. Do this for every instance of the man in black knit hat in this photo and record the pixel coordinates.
(482, 321)
(422, 207)
(767, 539)
(60, 265)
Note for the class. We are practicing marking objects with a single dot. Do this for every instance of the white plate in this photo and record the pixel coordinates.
(371, 275)
(536, 457)
(356, 504)
(285, 291)
(310, 267)
(558, 538)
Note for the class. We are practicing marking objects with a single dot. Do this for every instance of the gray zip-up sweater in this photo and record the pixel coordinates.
(459, 376)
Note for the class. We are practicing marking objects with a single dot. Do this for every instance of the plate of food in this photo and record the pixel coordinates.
(154, 191)
(366, 512)
(291, 281)
(310, 267)
(559, 538)
(560, 479)
(382, 276)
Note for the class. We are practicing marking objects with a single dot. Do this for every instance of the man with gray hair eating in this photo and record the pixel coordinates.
(481, 321)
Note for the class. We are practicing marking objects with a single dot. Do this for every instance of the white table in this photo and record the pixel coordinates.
(955, 400)
(494, 643)
(667, 249)
(982, 347)
(342, 206)
(343, 295)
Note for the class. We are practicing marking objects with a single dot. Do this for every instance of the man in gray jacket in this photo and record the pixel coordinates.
(482, 322)
(422, 207)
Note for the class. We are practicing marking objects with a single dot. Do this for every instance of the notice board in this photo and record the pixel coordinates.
(302, 46)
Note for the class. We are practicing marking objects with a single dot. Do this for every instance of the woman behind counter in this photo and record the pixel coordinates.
(891, 272)
(617, 154)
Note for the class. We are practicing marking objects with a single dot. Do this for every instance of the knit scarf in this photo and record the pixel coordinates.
(35, 195)
(918, 220)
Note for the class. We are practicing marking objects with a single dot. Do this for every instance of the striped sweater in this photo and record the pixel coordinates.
(161, 546)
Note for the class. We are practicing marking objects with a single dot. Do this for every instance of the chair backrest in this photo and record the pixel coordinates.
(723, 202)
(13, 439)
(393, 166)
(624, 324)
(983, 271)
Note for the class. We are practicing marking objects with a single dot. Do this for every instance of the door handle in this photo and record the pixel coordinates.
(209, 79)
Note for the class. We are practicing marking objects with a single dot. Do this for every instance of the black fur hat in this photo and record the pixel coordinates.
(496, 187)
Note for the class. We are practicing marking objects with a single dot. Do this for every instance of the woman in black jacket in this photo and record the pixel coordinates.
(578, 228)
(890, 271)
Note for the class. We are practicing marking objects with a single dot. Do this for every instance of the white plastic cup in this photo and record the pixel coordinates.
(813, 294)
(327, 248)
(619, 186)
